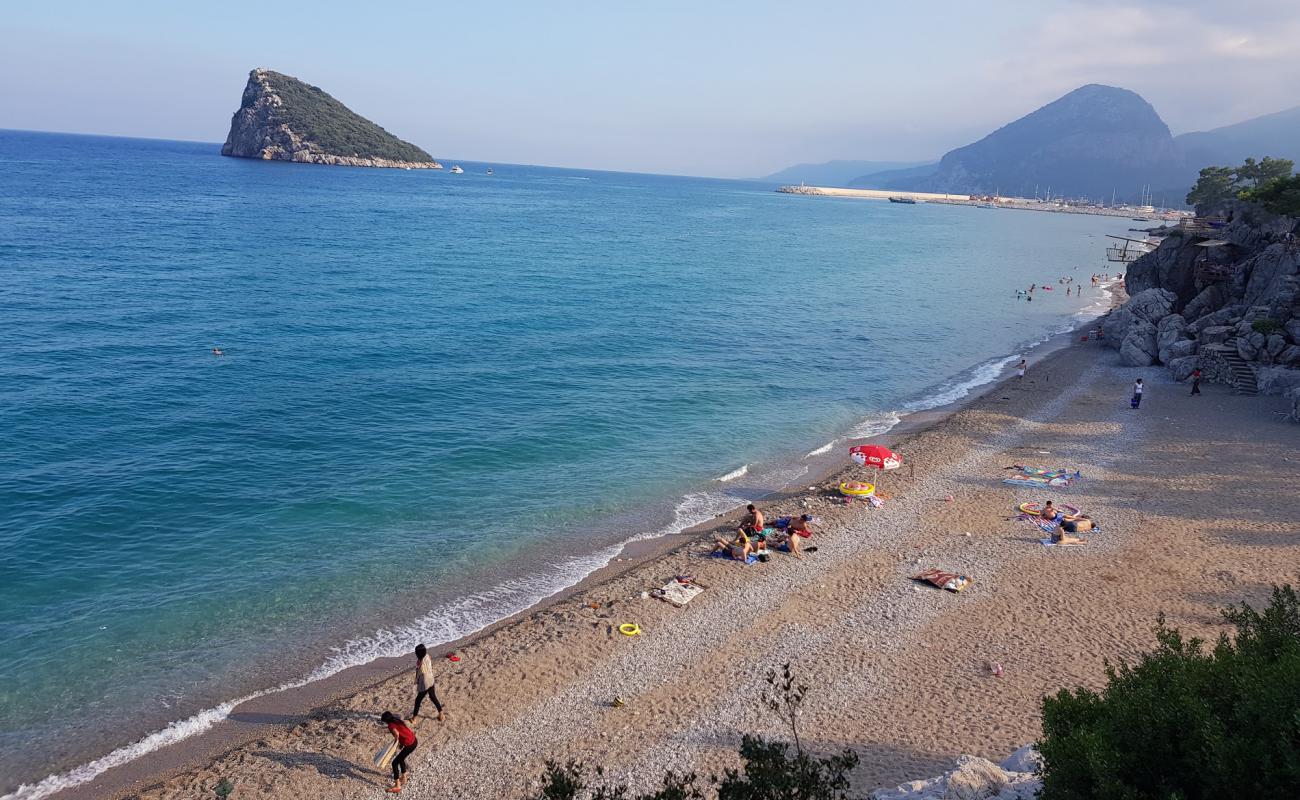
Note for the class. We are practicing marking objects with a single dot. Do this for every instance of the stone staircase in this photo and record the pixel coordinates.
(1239, 373)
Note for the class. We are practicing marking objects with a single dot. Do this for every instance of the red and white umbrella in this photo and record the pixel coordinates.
(873, 455)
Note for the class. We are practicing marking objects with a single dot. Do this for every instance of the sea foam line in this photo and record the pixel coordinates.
(826, 448)
(452, 621)
(735, 473)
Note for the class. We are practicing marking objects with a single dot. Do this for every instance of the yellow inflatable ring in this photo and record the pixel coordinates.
(856, 489)
(629, 629)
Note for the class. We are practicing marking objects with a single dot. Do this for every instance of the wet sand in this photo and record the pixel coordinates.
(1194, 494)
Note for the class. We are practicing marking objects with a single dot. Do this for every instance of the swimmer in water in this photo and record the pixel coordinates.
(216, 351)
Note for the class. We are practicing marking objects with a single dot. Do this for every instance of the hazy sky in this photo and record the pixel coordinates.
(724, 88)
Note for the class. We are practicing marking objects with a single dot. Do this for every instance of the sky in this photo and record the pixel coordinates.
(727, 89)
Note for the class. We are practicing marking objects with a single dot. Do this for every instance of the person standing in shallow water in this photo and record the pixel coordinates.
(424, 685)
(1137, 393)
(1021, 367)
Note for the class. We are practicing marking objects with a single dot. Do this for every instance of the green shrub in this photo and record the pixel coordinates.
(1183, 723)
(1279, 196)
(1266, 326)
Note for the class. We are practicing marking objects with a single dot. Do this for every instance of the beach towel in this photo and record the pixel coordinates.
(749, 560)
(1038, 482)
(944, 580)
(1050, 543)
(677, 593)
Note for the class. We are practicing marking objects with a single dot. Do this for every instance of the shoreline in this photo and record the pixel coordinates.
(237, 724)
(898, 670)
(959, 199)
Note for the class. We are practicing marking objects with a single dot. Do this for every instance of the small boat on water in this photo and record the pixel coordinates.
(908, 200)
(456, 170)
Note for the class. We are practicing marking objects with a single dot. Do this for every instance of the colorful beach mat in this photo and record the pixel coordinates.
(950, 581)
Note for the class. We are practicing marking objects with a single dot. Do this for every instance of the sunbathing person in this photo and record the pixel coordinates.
(739, 548)
(1080, 524)
(1049, 512)
(1060, 536)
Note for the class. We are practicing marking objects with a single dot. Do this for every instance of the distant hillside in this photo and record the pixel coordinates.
(281, 118)
(833, 173)
(882, 180)
(1276, 135)
(1094, 140)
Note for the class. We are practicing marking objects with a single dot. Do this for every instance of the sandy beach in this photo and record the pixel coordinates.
(1196, 503)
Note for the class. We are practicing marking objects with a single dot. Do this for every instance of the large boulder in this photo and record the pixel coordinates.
(1292, 329)
(1026, 759)
(1179, 349)
(1180, 369)
(1138, 347)
(1169, 330)
(1136, 320)
(1170, 266)
(1224, 316)
(1289, 357)
(1294, 396)
(1210, 299)
(1277, 380)
(1216, 334)
(1271, 274)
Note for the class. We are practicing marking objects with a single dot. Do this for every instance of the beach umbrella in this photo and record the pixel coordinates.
(874, 455)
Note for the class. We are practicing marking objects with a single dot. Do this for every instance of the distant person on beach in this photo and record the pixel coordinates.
(738, 548)
(407, 743)
(1049, 511)
(753, 521)
(1021, 367)
(800, 528)
(1196, 381)
(424, 686)
(1137, 393)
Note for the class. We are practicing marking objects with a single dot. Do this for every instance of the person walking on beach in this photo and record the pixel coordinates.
(424, 686)
(1137, 394)
(1196, 381)
(1021, 367)
(406, 743)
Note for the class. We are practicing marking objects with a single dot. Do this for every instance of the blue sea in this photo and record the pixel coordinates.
(442, 398)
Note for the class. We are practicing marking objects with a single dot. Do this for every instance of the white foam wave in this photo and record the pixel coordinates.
(453, 621)
(985, 373)
(826, 448)
(875, 425)
(735, 473)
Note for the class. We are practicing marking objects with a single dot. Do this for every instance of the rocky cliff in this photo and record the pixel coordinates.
(284, 119)
(1221, 296)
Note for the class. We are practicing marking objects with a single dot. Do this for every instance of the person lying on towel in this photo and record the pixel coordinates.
(1081, 524)
(739, 548)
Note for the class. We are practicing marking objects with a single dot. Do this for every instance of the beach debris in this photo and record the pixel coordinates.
(617, 703)
(942, 579)
(995, 669)
(678, 592)
(645, 595)
(453, 657)
(629, 629)
(947, 498)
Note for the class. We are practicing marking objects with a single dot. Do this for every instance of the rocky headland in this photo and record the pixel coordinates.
(1220, 294)
(284, 119)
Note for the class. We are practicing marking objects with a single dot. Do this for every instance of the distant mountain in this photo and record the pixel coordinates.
(284, 119)
(1094, 140)
(1276, 135)
(833, 173)
(882, 180)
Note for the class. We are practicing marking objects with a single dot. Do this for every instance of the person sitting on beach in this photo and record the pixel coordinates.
(739, 548)
(753, 521)
(407, 743)
(424, 686)
(1049, 511)
(800, 528)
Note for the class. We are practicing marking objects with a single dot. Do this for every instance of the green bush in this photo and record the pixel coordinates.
(1266, 326)
(1183, 723)
(1279, 196)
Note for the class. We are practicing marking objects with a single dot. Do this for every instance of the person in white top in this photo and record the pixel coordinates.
(424, 686)
(1137, 393)
(1021, 367)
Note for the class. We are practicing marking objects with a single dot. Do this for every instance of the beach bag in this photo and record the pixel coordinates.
(1137, 398)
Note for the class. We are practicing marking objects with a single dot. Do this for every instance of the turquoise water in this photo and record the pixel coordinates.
(442, 397)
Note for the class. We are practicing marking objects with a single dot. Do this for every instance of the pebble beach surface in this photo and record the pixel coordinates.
(1192, 497)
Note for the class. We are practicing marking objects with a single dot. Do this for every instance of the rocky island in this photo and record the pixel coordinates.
(284, 119)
